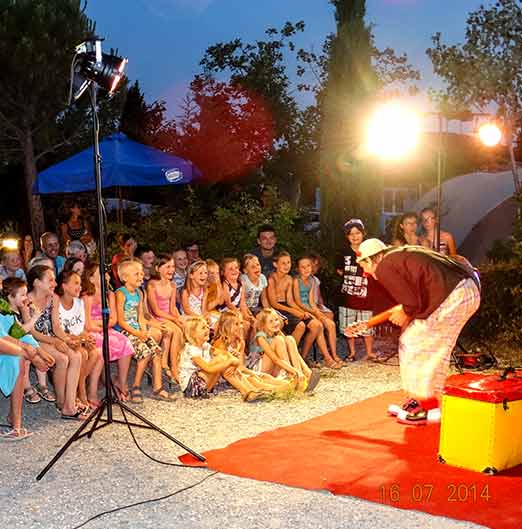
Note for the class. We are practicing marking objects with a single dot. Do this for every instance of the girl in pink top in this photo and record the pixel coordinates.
(120, 347)
(161, 300)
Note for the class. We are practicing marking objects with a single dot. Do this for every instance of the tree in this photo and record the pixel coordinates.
(142, 121)
(352, 74)
(485, 70)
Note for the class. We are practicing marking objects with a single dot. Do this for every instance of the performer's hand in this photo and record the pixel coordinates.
(398, 316)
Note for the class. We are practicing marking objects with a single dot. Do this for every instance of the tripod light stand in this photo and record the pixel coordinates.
(92, 68)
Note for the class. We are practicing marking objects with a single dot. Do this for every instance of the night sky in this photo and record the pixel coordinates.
(165, 39)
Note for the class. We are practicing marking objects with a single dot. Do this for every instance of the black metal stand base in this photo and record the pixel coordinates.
(101, 422)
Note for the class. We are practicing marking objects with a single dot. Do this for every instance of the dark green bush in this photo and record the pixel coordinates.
(500, 312)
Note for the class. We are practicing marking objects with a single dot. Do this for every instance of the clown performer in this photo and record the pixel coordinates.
(437, 295)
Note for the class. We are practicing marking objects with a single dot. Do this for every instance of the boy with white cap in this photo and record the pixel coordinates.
(437, 296)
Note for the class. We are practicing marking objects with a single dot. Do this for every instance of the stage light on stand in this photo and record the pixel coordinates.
(91, 65)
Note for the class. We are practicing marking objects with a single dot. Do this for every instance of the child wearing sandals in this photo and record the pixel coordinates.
(14, 359)
(132, 323)
(304, 296)
(68, 318)
(276, 354)
(14, 299)
(198, 371)
(120, 347)
(229, 342)
(281, 298)
(66, 372)
(161, 298)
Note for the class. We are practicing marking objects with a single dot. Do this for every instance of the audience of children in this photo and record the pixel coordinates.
(255, 323)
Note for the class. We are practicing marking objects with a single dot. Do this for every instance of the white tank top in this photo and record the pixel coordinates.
(73, 320)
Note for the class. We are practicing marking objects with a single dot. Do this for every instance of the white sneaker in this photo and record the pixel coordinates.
(434, 416)
(394, 409)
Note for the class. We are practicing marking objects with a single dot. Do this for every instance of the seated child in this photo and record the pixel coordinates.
(254, 283)
(198, 371)
(161, 299)
(120, 347)
(229, 342)
(68, 318)
(276, 354)
(14, 357)
(144, 338)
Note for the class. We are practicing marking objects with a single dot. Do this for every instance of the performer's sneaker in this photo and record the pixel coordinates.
(394, 409)
(419, 416)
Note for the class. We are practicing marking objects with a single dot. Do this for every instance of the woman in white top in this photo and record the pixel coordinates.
(69, 324)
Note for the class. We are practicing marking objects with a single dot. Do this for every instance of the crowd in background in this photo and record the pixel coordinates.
(183, 320)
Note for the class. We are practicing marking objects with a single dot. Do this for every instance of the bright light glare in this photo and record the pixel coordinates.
(490, 135)
(393, 131)
(10, 244)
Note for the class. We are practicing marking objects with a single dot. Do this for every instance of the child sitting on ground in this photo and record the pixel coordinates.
(272, 352)
(120, 348)
(144, 338)
(229, 342)
(180, 273)
(215, 295)
(198, 371)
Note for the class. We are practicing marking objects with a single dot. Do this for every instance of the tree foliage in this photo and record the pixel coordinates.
(353, 74)
(36, 49)
(485, 69)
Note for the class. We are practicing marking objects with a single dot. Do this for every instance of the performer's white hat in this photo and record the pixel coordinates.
(370, 247)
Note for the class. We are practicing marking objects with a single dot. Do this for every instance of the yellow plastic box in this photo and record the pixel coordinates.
(481, 424)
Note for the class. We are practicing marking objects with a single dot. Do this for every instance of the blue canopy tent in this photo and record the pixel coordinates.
(125, 163)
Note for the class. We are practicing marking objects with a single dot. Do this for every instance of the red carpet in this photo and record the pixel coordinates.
(358, 451)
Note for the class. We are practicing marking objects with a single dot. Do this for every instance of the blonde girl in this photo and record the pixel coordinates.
(198, 371)
(194, 295)
(254, 283)
(234, 293)
(144, 337)
(161, 299)
(120, 348)
(272, 352)
(68, 318)
(215, 296)
(229, 341)
(304, 296)
(41, 284)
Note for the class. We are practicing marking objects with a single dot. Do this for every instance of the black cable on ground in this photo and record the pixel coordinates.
(99, 515)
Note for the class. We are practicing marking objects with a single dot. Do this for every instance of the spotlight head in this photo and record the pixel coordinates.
(10, 243)
(91, 65)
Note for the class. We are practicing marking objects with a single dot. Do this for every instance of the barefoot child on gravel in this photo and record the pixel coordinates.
(272, 352)
(229, 342)
(198, 371)
(132, 323)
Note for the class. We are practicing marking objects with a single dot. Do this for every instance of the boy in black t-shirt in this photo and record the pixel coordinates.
(356, 289)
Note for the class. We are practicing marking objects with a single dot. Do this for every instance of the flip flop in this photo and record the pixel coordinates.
(15, 434)
(78, 416)
(313, 381)
(45, 393)
(156, 395)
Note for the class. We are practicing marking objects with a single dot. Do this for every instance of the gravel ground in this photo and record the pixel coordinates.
(108, 471)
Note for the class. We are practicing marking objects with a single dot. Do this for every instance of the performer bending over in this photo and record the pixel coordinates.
(437, 296)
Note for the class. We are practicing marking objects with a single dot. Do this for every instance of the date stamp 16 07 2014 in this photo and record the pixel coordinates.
(425, 492)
